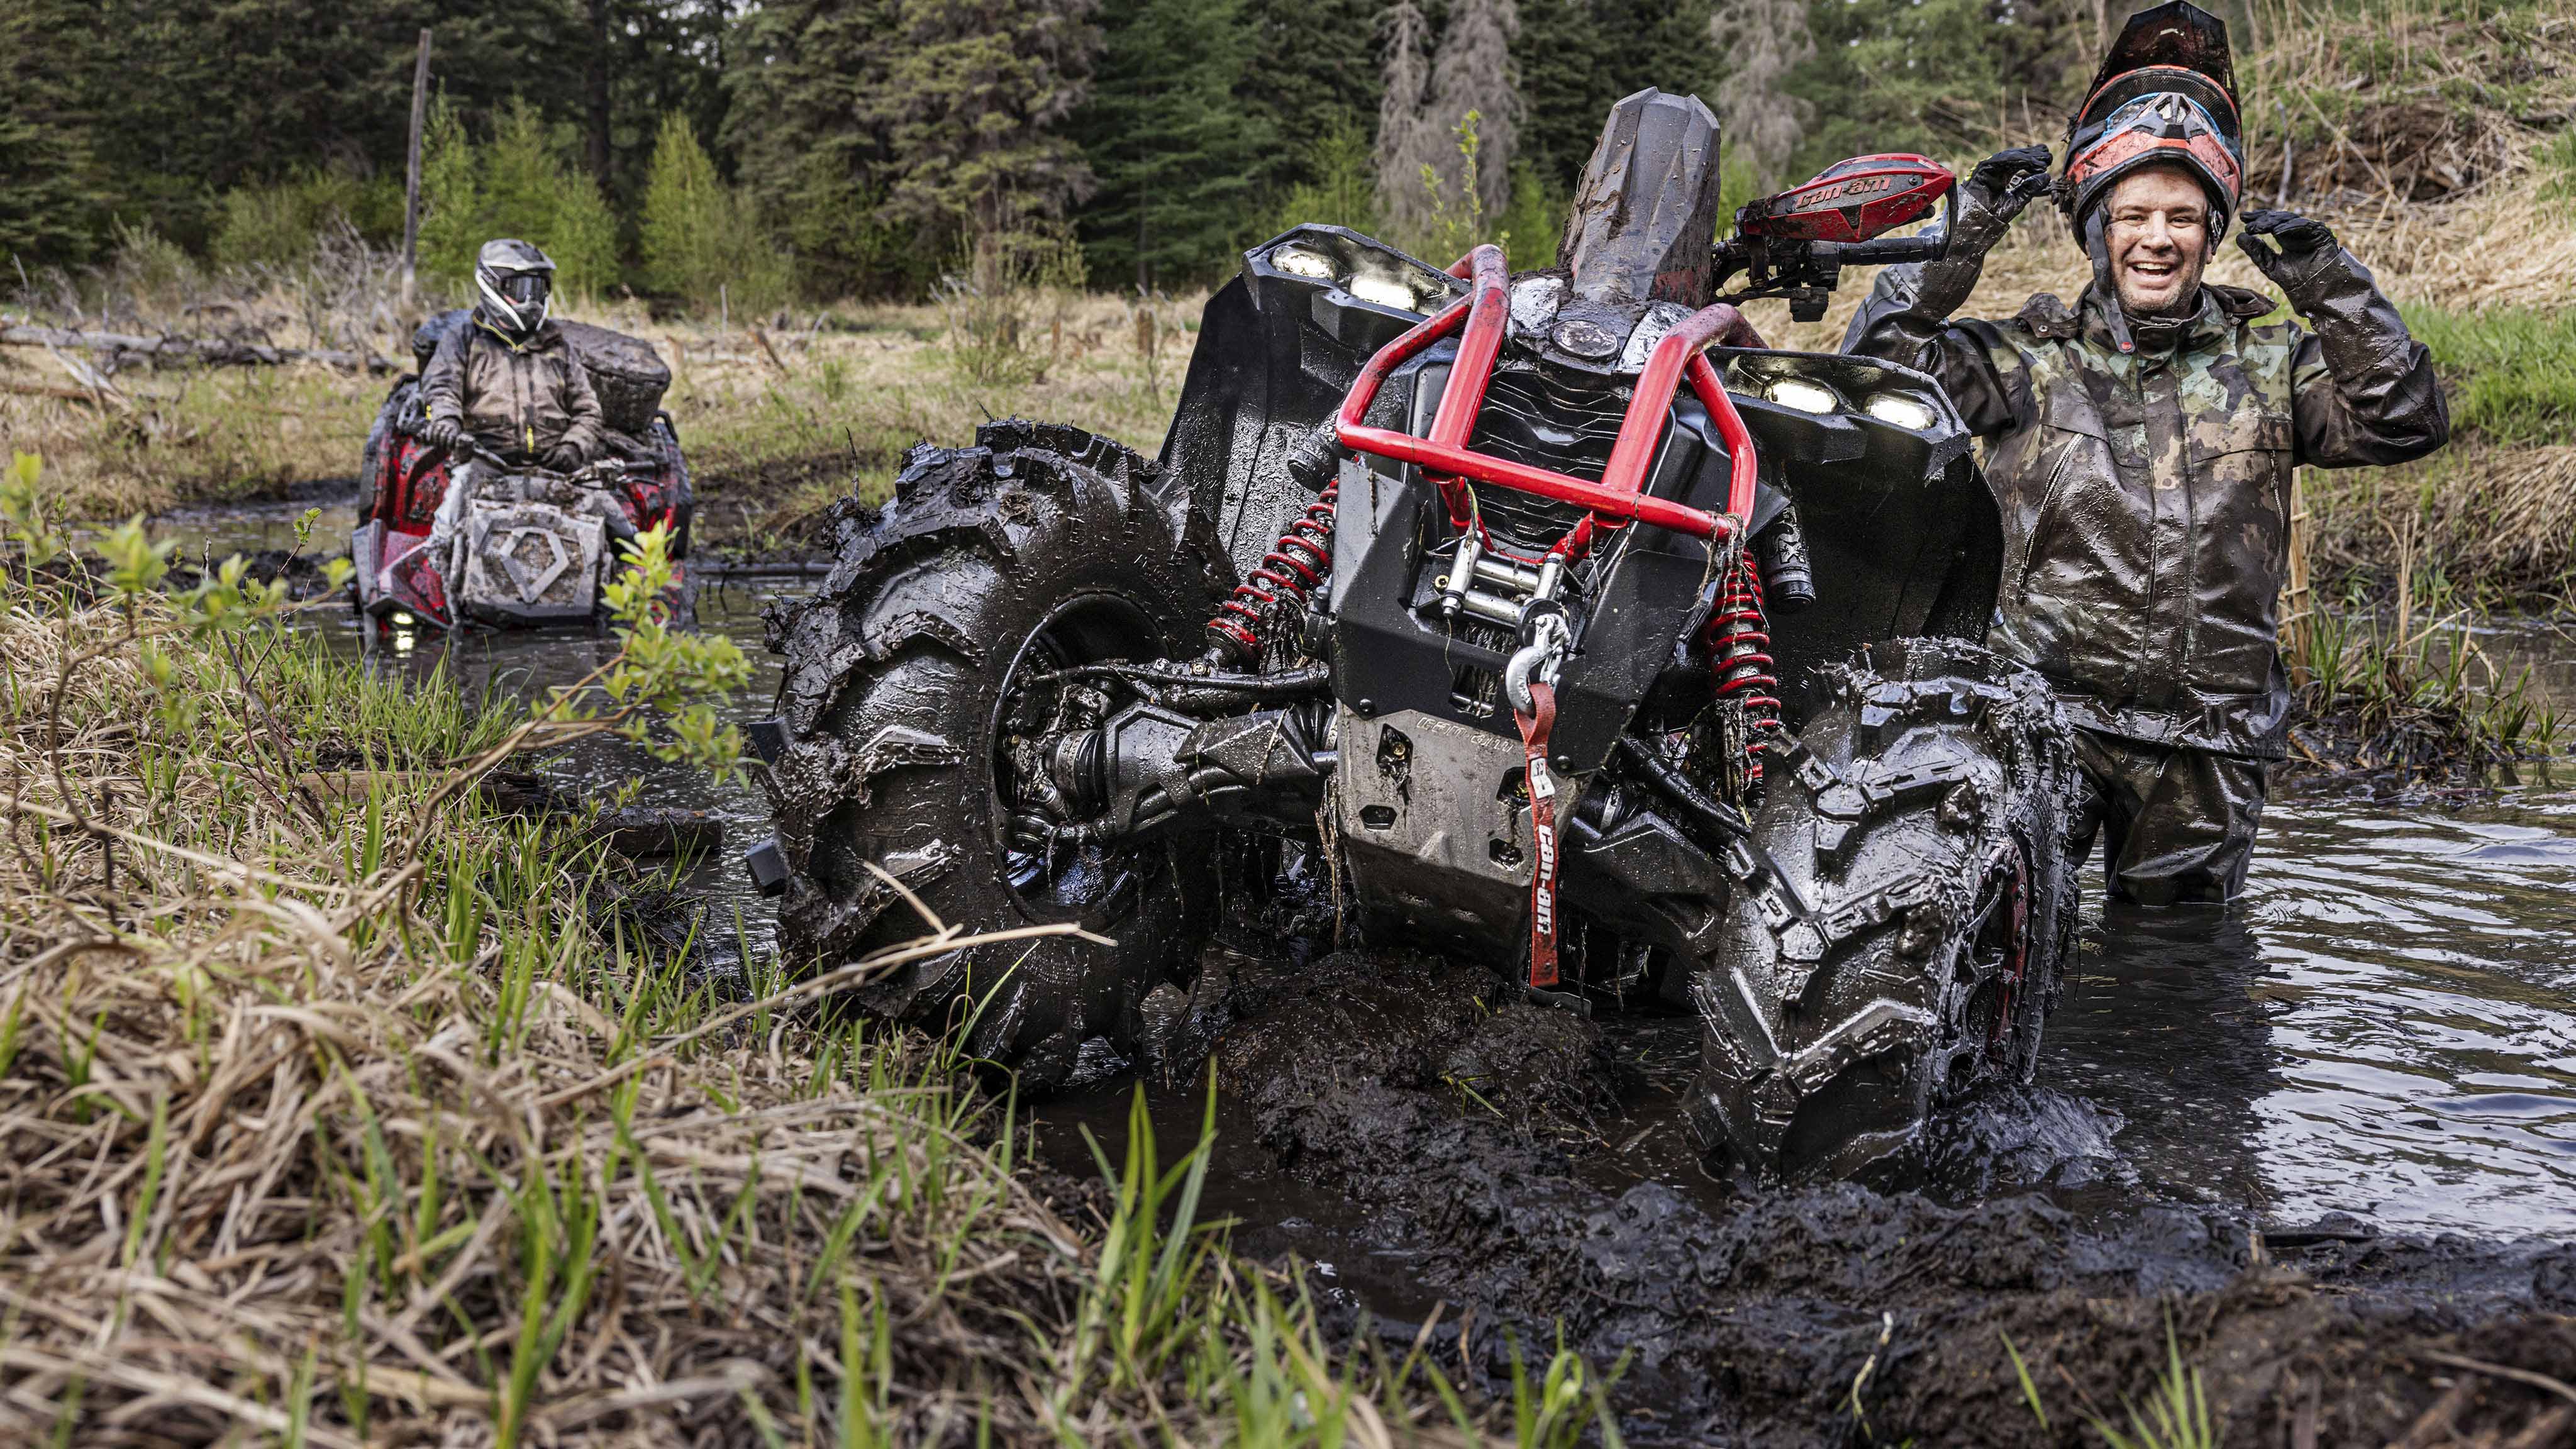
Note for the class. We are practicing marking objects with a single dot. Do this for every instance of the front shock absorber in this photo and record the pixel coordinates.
(1739, 651)
(1296, 565)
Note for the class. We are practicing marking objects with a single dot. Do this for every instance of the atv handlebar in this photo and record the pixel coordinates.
(1885, 251)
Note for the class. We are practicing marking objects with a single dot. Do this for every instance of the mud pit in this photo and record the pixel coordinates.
(1442, 1141)
(2332, 1133)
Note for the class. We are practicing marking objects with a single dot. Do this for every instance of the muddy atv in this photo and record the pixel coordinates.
(1549, 619)
(452, 536)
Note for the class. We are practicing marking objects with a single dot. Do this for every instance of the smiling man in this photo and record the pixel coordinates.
(2140, 444)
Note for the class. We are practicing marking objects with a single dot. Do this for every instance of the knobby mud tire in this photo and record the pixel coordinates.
(1039, 544)
(1921, 816)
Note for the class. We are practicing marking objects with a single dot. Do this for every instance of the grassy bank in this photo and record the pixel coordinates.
(336, 1108)
(778, 417)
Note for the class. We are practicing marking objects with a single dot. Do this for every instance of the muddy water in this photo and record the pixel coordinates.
(523, 666)
(2384, 1028)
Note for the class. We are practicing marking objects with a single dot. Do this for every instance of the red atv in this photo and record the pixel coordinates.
(448, 536)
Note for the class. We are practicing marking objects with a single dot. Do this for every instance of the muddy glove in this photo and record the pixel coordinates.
(564, 458)
(446, 433)
(2299, 250)
(1994, 193)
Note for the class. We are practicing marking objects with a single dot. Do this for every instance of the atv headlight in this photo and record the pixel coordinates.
(1384, 291)
(1898, 410)
(1297, 261)
(1806, 397)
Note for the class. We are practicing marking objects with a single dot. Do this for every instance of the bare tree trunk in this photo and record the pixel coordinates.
(1765, 40)
(411, 173)
(1424, 104)
(1474, 72)
(595, 82)
(1400, 150)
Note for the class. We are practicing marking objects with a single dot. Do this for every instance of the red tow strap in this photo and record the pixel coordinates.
(1542, 802)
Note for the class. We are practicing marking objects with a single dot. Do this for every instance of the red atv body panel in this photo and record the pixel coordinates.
(1851, 201)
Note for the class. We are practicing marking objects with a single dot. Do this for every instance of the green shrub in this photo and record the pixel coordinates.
(700, 239)
(524, 182)
(275, 224)
(1340, 188)
(149, 269)
(2511, 374)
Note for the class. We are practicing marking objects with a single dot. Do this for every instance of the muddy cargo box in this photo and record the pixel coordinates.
(629, 376)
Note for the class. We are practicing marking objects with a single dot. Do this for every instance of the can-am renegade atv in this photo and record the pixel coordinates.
(448, 536)
(1444, 590)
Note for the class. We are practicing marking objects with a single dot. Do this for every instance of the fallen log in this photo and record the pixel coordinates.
(196, 351)
(47, 389)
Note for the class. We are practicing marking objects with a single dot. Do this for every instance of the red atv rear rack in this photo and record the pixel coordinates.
(1619, 497)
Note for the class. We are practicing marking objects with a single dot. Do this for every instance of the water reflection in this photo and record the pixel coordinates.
(2165, 1027)
(2425, 1011)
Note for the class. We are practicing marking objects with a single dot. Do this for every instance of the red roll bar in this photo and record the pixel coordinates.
(1619, 497)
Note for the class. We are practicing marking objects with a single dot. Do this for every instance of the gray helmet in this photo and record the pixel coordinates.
(516, 280)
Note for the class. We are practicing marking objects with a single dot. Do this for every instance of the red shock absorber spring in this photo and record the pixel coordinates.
(1295, 565)
(1739, 649)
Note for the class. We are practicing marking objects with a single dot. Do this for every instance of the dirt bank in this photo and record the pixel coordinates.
(1492, 1149)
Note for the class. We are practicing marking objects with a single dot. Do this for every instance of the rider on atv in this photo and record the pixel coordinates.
(508, 379)
(505, 479)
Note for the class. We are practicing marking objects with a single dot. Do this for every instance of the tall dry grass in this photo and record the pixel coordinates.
(337, 1109)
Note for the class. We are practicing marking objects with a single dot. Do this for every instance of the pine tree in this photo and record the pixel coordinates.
(1577, 58)
(973, 97)
(1315, 80)
(809, 146)
(1763, 40)
(1939, 76)
(1176, 157)
(698, 239)
(1407, 139)
(49, 206)
(1427, 147)
(525, 182)
(1473, 71)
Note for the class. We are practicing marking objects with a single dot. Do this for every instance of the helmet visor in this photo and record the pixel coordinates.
(525, 289)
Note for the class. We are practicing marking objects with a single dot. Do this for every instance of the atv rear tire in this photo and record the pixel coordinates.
(1909, 946)
(1039, 548)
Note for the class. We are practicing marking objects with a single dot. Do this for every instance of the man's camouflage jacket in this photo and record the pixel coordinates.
(2145, 494)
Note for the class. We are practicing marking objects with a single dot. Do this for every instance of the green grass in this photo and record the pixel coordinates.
(2511, 374)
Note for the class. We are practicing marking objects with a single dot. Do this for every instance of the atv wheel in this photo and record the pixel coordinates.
(907, 678)
(1909, 945)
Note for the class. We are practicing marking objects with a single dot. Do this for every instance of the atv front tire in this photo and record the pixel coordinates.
(1903, 941)
(1041, 548)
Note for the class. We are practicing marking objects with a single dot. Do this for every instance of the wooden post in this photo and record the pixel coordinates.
(411, 174)
(2296, 604)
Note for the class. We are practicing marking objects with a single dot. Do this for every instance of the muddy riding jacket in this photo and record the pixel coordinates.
(2145, 494)
(520, 398)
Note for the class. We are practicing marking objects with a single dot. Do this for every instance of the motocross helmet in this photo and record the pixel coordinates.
(515, 280)
(2166, 95)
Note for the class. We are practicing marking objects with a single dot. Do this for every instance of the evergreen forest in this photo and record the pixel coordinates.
(776, 150)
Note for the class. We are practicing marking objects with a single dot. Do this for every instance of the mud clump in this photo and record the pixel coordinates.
(1484, 1139)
